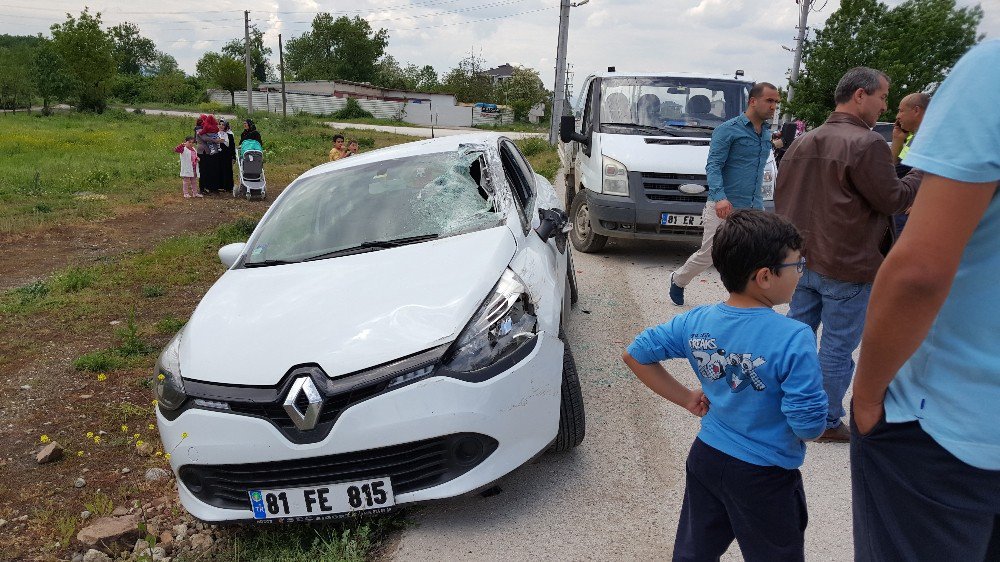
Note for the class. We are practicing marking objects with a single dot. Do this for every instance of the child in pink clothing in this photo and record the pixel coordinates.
(189, 167)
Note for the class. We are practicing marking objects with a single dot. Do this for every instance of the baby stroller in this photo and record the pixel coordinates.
(251, 165)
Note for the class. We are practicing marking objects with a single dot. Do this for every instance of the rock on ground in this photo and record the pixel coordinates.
(156, 474)
(109, 529)
(94, 555)
(51, 453)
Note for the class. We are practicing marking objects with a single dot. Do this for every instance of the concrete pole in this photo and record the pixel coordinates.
(246, 32)
(281, 64)
(797, 61)
(559, 92)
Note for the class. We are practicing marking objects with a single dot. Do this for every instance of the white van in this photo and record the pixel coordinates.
(635, 154)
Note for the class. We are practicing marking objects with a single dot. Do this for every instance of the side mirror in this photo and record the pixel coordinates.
(552, 221)
(229, 253)
(567, 130)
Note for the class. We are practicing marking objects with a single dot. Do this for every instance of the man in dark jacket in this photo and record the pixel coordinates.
(838, 186)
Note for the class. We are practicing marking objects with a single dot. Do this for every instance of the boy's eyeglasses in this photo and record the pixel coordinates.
(799, 266)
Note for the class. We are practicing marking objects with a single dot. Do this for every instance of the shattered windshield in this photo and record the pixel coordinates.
(379, 205)
(669, 106)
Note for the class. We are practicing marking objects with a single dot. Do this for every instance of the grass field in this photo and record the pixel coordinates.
(84, 166)
(97, 328)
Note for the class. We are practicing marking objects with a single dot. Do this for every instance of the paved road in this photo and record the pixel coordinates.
(617, 496)
(421, 132)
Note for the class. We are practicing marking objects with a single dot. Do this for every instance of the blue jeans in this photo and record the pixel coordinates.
(840, 306)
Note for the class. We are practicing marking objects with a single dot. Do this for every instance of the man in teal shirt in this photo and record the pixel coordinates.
(925, 443)
(736, 158)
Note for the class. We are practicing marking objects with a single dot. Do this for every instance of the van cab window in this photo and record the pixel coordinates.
(674, 106)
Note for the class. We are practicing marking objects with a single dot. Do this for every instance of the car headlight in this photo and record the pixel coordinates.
(615, 177)
(169, 386)
(501, 326)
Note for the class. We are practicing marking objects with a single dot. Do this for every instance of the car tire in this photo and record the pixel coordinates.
(583, 236)
(572, 422)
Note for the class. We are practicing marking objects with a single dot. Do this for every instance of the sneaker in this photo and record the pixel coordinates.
(186, 196)
(676, 293)
(839, 434)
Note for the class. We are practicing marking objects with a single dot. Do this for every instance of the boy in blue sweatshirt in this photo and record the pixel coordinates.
(761, 397)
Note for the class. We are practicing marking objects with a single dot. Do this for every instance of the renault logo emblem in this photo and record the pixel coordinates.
(303, 387)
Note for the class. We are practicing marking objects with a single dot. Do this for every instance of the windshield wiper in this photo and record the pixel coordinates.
(702, 127)
(372, 246)
(649, 128)
(266, 263)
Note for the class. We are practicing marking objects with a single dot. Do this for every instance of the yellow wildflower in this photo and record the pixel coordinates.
(102, 377)
(90, 435)
(135, 436)
(184, 435)
(97, 439)
(79, 453)
(139, 443)
(45, 439)
(155, 401)
(151, 426)
(159, 453)
(160, 377)
(166, 456)
(124, 428)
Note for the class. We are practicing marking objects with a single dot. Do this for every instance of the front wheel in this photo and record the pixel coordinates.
(583, 236)
(572, 422)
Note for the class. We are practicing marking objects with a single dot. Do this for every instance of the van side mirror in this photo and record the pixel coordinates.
(229, 253)
(567, 130)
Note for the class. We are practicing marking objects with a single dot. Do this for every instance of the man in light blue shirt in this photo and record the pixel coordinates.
(925, 449)
(736, 158)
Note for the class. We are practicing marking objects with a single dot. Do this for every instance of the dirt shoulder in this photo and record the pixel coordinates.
(36, 254)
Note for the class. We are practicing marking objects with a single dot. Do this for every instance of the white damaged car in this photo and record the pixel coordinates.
(390, 333)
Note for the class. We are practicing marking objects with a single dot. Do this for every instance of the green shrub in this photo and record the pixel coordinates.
(131, 344)
(98, 361)
(237, 231)
(352, 110)
(533, 146)
(32, 291)
(74, 280)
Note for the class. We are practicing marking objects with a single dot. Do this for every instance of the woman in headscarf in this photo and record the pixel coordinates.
(229, 155)
(211, 155)
(250, 132)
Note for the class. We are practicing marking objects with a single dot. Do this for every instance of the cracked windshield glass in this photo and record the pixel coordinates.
(378, 205)
(673, 106)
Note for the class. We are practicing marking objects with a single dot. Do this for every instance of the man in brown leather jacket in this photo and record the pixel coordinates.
(838, 186)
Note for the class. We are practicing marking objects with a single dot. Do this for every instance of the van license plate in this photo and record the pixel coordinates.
(328, 499)
(671, 219)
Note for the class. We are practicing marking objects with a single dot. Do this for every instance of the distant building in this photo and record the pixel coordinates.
(499, 74)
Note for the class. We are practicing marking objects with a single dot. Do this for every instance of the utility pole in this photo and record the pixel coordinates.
(281, 63)
(246, 32)
(797, 61)
(559, 91)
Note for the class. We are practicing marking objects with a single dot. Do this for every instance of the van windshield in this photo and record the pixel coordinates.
(675, 106)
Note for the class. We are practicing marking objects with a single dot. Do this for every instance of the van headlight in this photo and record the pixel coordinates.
(615, 177)
(503, 324)
(169, 386)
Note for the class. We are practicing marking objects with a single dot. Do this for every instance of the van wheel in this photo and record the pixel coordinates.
(583, 236)
(572, 422)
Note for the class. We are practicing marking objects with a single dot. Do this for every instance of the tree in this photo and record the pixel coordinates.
(88, 54)
(426, 78)
(260, 66)
(52, 81)
(522, 91)
(133, 53)
(915, 44)
(223, 71)
(469, 82)
(390, 75)
(341, 48)
(164, 64)
(16, 81)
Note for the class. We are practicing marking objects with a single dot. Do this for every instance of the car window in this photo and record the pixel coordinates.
(438, 194)
(520, 178)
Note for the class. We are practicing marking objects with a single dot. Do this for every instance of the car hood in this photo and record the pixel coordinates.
(639, 153)
(344, 314)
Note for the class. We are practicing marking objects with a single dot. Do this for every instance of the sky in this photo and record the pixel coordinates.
(713, 36)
